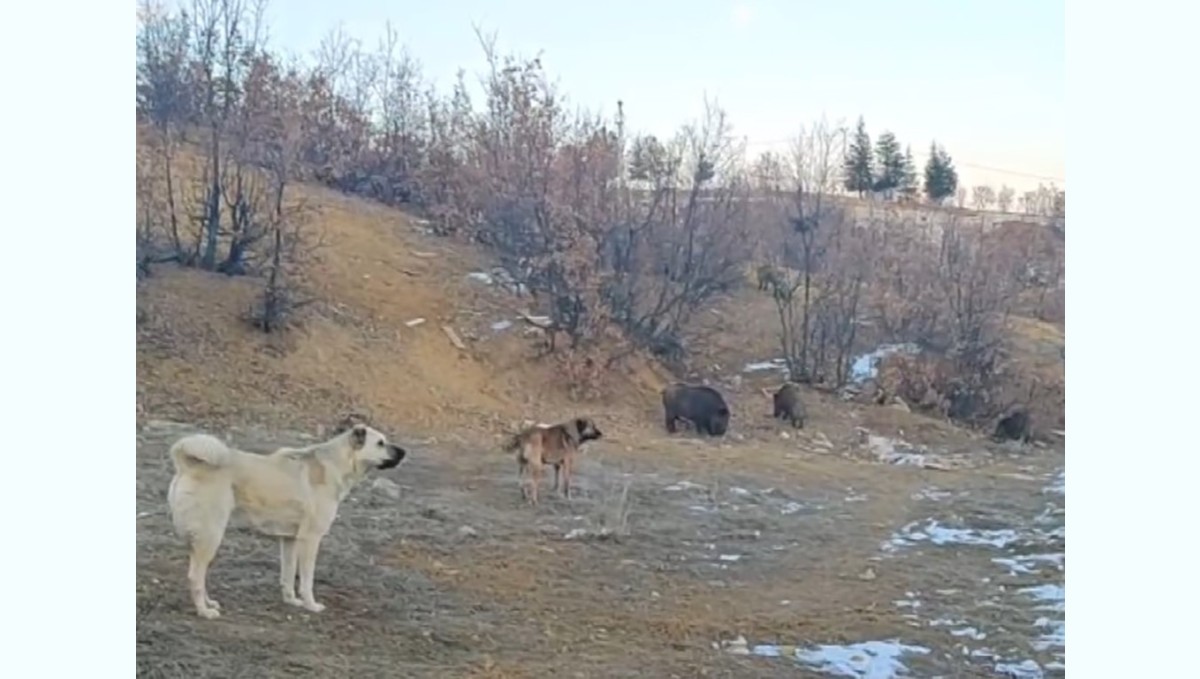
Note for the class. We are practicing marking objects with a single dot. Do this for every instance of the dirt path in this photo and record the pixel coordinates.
(672, 547)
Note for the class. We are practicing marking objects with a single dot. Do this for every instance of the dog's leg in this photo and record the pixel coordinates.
(287, 570)
(534, 480)
(522, 470)
(557, 469)
(306, 552)
(566, 471)
(204, 548)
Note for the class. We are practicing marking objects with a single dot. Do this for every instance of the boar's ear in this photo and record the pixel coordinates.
(358, 436)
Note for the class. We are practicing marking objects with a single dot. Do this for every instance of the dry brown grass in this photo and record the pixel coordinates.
(411, 597)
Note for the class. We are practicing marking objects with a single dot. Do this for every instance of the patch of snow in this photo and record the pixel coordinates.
(1026, 669)
(1054, 594)
(498, 277)
(577, 533)
(1054, 637)
(500, 326)
(791, 508)
(729, 557)
(983, 653)
(1059, 485)
(866, 660)
(932, 494)
(866, 366)
(938, 534)
(684, 485)
(969, 632)
(891, 452)
(773, 364)
(736, 646)
(1026, 563)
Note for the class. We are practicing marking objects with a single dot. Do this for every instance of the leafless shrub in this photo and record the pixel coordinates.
(620, 237)
(816, 303)
(612, 512)
(207, 67)
(282, 294)
(963, 296)
(682, 236)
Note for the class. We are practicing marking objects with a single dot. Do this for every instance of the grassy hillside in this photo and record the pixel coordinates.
(198, 359)
(361, 344)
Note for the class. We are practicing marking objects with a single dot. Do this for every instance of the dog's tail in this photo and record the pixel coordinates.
(200, 449)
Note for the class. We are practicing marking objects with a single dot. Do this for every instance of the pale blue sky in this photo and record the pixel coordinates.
(987, 80)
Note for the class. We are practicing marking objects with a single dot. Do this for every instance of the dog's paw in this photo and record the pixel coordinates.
(313, 606)
(212, 603)
(292, 600)
(208, 613)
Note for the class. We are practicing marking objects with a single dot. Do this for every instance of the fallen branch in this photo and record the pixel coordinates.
(543, 322)
(454, 339)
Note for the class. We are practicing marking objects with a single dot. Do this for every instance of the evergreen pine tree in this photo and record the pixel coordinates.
(857, 166)
(888, 162)
(949, 174)
(908, 176)
(941, 179)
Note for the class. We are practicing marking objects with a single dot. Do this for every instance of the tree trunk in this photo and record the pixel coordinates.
(804, 329)
(167, 158)
(212, 223)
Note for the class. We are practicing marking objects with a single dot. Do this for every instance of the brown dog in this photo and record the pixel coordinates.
(555, 445)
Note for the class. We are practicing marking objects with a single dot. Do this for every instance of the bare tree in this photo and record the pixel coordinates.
(682, 238)
(281, 144)
(812, 221)
(979, 298)
(1027, 203)
(245, 191)
(1004, 199)
(230, 34)
(983, 197)
(402, 120)
(164, 92)
(851, 259)
(337, 56)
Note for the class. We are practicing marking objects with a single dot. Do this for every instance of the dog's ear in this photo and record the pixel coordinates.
(581, 425)
(347, 421)
(358, 435)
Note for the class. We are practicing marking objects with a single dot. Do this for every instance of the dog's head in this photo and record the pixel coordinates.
(370, 447)
(587, 430)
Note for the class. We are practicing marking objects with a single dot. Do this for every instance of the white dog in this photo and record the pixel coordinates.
(292, 494)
